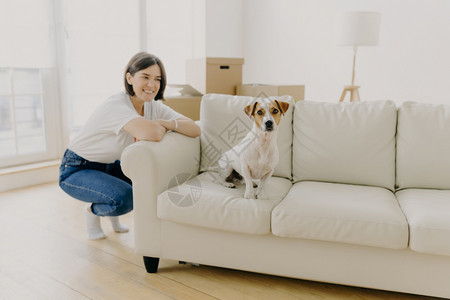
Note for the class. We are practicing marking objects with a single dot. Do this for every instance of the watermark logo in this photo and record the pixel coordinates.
(185, 190)
(234, 132)
(211, 154)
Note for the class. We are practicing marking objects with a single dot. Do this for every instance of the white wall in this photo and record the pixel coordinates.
(292, 42)
(223, 27)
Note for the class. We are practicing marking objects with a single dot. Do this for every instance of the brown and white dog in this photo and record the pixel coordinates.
(256, 156)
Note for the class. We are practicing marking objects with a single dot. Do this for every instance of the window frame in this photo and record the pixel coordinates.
(51, 120)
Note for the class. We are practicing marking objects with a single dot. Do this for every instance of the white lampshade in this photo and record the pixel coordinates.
(358, 28)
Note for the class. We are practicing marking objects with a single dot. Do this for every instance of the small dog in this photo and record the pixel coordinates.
(256, 156)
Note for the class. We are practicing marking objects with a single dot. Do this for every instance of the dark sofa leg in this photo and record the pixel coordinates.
(151, 264)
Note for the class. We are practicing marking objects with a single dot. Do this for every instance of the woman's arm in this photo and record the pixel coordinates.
(145, 130)
(184, 126)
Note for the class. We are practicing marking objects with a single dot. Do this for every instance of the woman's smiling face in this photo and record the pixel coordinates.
(146, 83)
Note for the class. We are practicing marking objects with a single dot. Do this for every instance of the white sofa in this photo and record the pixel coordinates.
(361, 196)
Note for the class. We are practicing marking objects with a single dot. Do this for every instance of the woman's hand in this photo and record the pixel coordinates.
(182, 125)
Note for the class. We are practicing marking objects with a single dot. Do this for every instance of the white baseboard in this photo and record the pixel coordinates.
(33, 174)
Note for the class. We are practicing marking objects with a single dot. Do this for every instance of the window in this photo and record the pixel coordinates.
(27, 89)
(21, 110)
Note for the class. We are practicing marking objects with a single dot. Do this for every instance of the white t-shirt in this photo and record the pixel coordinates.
(102, 139)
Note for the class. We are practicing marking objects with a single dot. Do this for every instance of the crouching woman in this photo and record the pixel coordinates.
(90, 169)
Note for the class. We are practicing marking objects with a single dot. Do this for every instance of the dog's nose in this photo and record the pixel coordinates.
(269, 125)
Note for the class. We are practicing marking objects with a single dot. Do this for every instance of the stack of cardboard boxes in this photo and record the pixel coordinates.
(221, 76)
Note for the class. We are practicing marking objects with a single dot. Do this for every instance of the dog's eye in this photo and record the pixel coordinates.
(275, 111)
(259, 112)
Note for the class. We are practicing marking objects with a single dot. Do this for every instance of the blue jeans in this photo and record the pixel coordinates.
(103, 185)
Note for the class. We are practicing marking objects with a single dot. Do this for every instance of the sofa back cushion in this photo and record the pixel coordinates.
(423, 146)
(224, 124)
(350, 143)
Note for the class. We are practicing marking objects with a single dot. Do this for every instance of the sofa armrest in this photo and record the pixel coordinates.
(151, 166)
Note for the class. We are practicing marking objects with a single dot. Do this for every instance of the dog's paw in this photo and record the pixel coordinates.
(229, 185)
(261, 196)
(249, 195)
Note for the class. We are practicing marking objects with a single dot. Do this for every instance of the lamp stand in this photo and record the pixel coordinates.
(353, 89)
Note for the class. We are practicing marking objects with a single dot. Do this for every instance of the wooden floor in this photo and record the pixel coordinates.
(44, 254)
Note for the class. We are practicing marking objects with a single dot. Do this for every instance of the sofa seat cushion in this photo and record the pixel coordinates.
(224, 124)
(428, 214)
(202, 202)
(344, 213)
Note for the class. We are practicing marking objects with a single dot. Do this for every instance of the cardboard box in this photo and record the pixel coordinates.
(183, 99)
(188, 106)
(214, 74)
(263, 90)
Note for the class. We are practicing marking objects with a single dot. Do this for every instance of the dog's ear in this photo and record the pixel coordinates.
(282, 106)
(250, 109)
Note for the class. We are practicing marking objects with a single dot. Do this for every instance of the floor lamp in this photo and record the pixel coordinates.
(356, 29)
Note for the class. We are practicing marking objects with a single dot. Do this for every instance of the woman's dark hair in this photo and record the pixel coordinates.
(141, 61)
